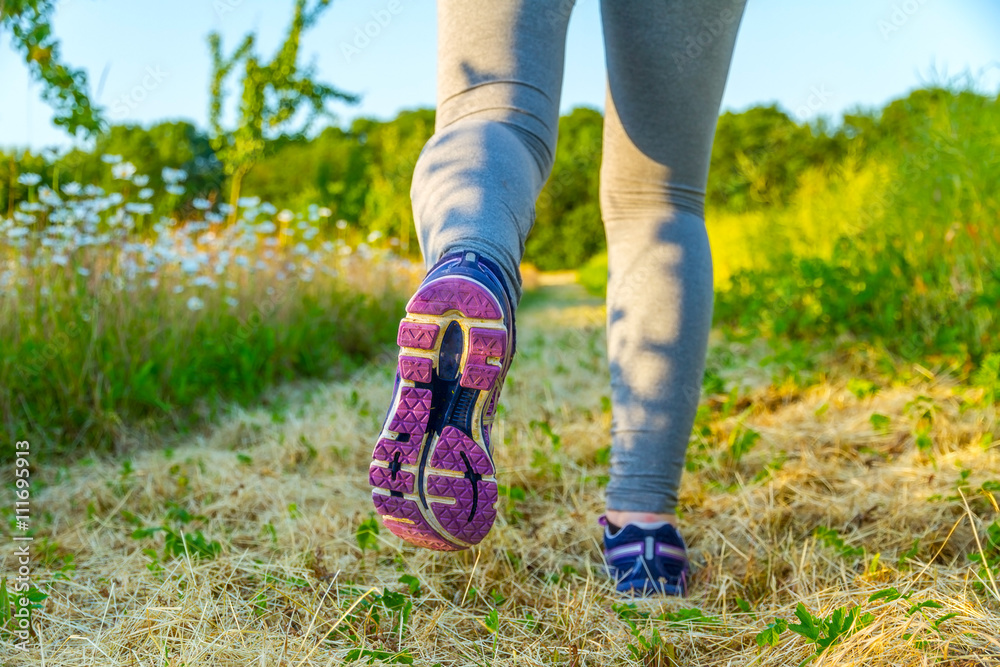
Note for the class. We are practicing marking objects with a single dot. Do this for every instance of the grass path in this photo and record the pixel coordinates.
(273, 499)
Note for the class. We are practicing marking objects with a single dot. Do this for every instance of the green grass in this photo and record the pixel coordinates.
(896, 248)
(107, 337)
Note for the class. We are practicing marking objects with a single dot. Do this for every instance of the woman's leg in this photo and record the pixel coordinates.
(667, 67)
(500, 67)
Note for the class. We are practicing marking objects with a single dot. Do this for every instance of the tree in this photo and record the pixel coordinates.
(63, 88)
(273, 94)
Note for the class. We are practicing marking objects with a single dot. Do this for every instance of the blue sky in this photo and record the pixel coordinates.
(149, 62)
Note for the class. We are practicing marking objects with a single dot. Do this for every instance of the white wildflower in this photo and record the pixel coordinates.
(374, 236)
(286, 216)
(145, 193)
(135, 207)
(248, 202)
(175, 189)
(232, 302)
(123, 171)
(29, 179)
(111, 159)
(141, 180)
(59, 260)
(72, 188)
(190, 265)
(300, 249)
(342, 224)
(324, 212)
(17, 232)
(214, 218)
(48, 196)
(92, 190)
(225, 209)
(266, 227)
(83, 271)
(153, 283)
(178, 289)
(173, 175)
(194, 303)
(201, 204)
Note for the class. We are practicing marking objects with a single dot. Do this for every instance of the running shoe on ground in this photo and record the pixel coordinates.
(432, 469)
(646, 559)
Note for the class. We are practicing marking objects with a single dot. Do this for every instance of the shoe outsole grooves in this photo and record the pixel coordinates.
(432, 475)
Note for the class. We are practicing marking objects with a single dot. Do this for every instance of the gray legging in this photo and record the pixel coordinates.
(500, 67)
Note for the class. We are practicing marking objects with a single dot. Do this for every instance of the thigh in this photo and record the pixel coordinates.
(502, 60)
(667, 67)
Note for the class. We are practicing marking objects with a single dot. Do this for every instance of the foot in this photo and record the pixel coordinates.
(646, 559)
(432, 471)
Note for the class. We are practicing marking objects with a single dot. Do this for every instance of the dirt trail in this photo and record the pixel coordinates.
(283, 490)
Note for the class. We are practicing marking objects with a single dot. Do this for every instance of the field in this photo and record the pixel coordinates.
(201, 385)
(823, 489)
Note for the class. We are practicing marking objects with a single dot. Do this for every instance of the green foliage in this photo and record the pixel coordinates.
(412, 583)
(17, 605)
(821, 632)
(568, 229)
(987, 376)
(272, 94)
(376, 617)
(861, 388)
(178, 542)
(880, 422)
(367, 534)
(989, 557)
(759, 155)
(833, 540)
(63, 88)
(593, 275)
(771, 634)
(907, 275)
(741, 441)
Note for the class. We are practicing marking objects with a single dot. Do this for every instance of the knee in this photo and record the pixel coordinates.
(650, 200)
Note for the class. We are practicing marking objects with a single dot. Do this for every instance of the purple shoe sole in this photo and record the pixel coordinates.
(432, 473)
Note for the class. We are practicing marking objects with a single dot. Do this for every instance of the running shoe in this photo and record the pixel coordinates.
(432, 471)
(646, 559)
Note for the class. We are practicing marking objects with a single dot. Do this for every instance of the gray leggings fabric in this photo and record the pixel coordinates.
(500, 68)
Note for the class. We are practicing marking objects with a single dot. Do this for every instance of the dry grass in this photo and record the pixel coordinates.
(284, 491)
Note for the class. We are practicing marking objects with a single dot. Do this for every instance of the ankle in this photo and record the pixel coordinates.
(620, 518)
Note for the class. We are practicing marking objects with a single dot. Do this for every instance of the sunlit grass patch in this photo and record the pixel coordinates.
(106, 334)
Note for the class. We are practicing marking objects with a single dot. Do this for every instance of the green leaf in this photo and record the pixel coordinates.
(367, 534)
(492, 621)
(412, 582)
(771, 634)
(807, 625)
(887, 594)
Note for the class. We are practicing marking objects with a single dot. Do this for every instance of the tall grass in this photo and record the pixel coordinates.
(897, 245)
(105, 335)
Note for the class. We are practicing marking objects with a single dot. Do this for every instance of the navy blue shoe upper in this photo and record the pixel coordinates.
(647, 561)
